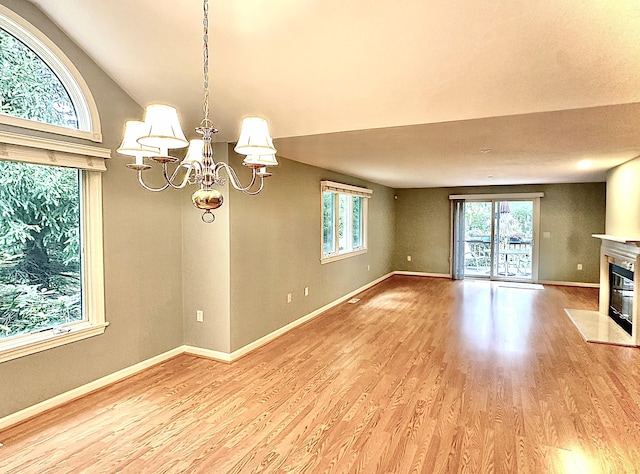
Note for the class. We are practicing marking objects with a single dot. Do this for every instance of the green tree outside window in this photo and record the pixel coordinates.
(40, 277)
(28, 87)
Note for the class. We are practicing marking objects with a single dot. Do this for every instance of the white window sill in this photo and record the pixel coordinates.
(341, 256)
(32, 343)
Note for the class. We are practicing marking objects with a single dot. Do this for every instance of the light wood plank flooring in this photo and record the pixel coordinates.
(422, 375)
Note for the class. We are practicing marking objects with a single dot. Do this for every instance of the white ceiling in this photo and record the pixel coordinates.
(401, 93)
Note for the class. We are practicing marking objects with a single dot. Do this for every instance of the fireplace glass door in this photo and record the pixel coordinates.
(621, 296)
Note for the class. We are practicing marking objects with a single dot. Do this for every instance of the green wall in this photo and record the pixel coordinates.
(569, 212)
(142, 250)
(275, 250)
(423, 230)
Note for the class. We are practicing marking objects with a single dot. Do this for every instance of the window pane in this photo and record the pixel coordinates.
(40, 276)
(28, 87)
(328, 222)
(357, 222)
(343, 222)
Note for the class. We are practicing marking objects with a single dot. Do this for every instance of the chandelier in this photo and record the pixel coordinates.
(161, 131)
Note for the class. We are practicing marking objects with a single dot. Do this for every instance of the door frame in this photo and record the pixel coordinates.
(535, 247)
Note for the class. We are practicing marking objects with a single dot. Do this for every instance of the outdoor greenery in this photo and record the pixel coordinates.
(342, 221)
(522, 219)
(328, 209)
(516, 220)
(28, 87)
(349, 222)
(477, 217)
(357, 221)
(40, 278)
(40, 282)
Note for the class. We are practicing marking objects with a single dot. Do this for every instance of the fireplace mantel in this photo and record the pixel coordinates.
(617, 238)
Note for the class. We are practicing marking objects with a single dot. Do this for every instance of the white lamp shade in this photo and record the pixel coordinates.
(164, 128)
(194, 153)
(260, 160)
(254, 138)
(133, 130)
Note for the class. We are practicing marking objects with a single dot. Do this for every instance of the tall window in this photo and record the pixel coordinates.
(51, 264)
(40, 277)
(344, 220)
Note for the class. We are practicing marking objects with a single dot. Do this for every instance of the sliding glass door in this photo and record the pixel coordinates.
(513, 240)
(495, 239)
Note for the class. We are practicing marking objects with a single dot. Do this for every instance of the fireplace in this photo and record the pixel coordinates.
(621, 296)
(618, 287)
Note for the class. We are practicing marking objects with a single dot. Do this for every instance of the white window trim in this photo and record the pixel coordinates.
(341, 188)
(44, 151)
(490, 197)
(91, 161)
(85, 106)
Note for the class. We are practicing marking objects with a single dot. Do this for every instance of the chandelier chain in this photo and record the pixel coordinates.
(205, 62)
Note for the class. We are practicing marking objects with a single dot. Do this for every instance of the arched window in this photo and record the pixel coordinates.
(40, 88)
(51, 240)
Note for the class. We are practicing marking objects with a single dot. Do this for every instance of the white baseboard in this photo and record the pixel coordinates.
(225, 357)
(208, 353)
(423, 274)
(569, 283)
(541, 282)
(278, 332)
(85, 389)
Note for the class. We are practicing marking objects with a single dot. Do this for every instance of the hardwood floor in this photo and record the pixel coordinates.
(422, 375)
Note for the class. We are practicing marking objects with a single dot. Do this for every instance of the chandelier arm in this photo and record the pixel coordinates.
(171, 180)
(233, 177)
(149, 188)
(253, 193)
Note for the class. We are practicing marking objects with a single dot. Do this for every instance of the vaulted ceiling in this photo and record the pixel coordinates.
(405, 94)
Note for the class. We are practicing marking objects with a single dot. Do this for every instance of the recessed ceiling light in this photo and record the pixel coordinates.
(585, 164)
(485, 150)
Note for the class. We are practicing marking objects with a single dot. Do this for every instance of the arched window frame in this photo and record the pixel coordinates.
(86, 110)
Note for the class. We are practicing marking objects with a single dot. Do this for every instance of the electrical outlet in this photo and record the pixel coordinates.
(546, 235)
(408, 258)
(288, 297)
(368, 268)
(200, 316)
(579, 266)
(306, 291)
